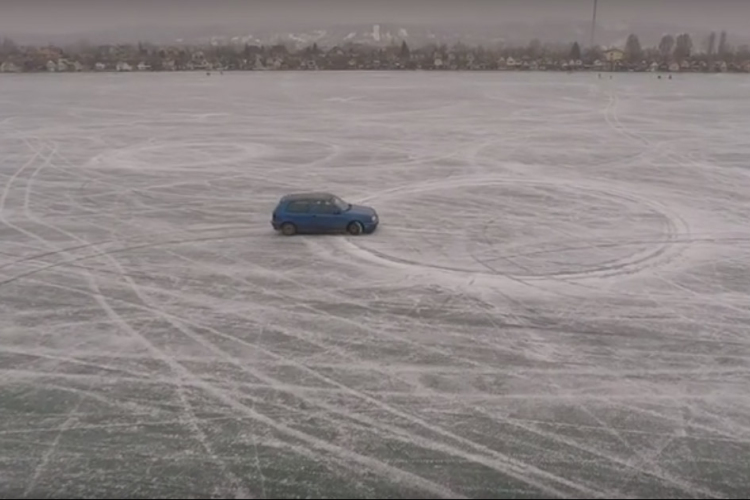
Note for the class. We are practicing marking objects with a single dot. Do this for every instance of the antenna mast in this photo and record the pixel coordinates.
(593, 25)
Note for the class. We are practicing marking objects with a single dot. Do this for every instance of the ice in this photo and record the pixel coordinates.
(556, 303)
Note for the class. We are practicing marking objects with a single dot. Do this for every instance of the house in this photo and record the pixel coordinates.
(51, 66)
(614, 55)
(201, 64)
(674, 67)
(123, 66)
(77, 66)
(62, 65)
(142, 66)
(9, 67)
(100, 66)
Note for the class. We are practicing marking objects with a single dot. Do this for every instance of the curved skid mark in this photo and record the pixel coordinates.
(41, 468)
(666, 247)
(587, 322)
(223, 396)
(501, 462)
(53, 253)
(495, 460)
(635, 468)
(119, 251)
(110, 312)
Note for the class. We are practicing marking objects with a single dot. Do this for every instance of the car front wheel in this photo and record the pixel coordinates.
(355, 228)
(288, 229)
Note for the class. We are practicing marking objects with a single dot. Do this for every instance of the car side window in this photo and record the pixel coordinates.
(298, 207)
(324, 207)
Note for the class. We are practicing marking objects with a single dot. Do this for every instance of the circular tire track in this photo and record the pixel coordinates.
(659, 249)
(247, 231)
(184, 155)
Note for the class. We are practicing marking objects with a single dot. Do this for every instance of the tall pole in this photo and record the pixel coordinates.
(593, 26)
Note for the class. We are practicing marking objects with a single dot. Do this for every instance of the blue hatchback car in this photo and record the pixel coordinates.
(313, 213)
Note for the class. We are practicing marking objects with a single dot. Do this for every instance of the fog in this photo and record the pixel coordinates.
(82, 16)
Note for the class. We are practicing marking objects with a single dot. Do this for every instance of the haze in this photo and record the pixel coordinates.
(41, 17)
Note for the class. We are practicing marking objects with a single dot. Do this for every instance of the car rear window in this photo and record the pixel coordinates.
(297, 207)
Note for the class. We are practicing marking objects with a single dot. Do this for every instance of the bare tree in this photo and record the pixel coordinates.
(743, 52)
(8, 46)
(723, 46)
(683, 47)
(534, 49)
(593, 54)
(633, 49)
(404, 53)
(666, 46)
(711, 45)
(575, 52)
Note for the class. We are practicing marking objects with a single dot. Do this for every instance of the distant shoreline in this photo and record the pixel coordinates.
(363, 70)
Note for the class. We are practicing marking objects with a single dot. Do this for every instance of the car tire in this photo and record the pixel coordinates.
(355, 228)
(288, 229)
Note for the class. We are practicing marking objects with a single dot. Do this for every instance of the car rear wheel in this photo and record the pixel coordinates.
(355, 228)
(288, 229)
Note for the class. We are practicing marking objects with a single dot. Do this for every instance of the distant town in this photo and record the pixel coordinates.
(673, 54)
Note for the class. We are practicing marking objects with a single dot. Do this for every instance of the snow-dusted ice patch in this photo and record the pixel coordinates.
(555, 303)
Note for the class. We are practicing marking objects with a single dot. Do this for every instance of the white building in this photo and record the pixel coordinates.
(9, 67)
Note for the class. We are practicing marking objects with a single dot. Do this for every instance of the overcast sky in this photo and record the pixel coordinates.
(75, 16)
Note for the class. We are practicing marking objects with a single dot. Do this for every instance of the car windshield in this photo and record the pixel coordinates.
(341, 204)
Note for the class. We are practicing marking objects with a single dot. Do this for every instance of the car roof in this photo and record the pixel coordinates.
(307, 196)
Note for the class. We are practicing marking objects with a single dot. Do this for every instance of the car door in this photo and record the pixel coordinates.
(298, 213)
(326, 217)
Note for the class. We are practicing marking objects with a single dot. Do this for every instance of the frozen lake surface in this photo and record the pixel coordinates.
(556, 304)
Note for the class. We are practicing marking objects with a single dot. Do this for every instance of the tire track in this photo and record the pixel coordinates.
(230, 400)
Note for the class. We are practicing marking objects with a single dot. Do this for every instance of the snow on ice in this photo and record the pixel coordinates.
(556, 302)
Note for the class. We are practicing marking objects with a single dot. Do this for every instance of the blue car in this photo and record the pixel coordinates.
(316, 213)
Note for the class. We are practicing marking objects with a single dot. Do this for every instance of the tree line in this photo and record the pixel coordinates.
(681, 47)
(671, 49)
